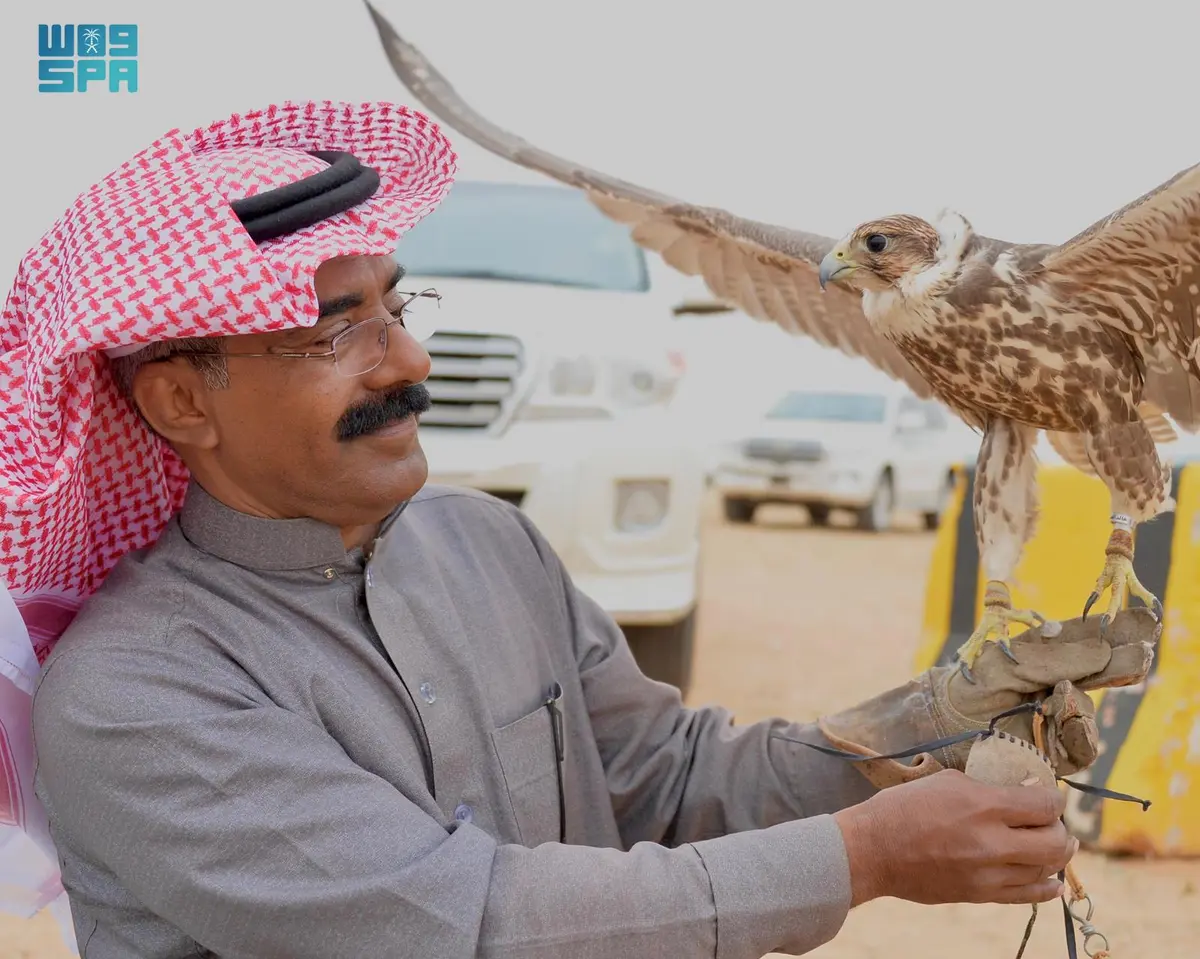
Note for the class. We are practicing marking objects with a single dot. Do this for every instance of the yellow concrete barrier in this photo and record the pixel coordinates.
(1150, 734)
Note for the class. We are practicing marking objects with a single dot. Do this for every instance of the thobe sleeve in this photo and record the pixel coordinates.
(249, 828)
(678, 774)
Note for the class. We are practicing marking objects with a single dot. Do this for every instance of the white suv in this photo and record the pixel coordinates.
(552, 382)
(864, 444)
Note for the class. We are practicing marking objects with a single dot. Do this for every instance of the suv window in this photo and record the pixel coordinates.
(830, 407)
(534, 234)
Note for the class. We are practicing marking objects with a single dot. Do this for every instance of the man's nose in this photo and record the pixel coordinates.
(405, 361)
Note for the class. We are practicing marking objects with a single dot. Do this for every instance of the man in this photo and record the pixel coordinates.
(333, 711)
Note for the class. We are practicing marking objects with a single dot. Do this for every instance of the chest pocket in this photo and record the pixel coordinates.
(529, 751)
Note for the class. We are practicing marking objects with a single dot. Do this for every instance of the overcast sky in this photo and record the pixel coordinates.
(1031, 118)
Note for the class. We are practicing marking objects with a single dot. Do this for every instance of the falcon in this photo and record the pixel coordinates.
(1091, 341)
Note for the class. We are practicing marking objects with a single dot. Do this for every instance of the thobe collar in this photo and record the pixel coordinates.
(268, 544)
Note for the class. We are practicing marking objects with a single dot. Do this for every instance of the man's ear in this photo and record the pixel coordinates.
(173, 398)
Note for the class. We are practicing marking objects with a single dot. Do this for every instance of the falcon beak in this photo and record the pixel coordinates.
(836, 263)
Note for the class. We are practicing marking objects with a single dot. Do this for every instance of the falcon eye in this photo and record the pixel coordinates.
(877, 243)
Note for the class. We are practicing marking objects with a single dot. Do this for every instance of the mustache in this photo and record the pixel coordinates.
(383, 410)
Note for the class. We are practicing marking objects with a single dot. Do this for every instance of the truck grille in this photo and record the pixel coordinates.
(782, 451)
(472, 378)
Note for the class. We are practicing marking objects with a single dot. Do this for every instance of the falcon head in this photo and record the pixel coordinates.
(880, 254)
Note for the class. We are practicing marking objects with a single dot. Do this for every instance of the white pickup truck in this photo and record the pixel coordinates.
(552, 381)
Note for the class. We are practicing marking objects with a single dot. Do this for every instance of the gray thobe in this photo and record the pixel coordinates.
(252, 742)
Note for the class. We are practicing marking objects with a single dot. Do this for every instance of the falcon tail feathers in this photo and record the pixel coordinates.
(1160, 427)
(1071, 448)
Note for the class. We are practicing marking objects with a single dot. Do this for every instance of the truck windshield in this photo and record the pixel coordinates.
(830, 407)
(533, 234)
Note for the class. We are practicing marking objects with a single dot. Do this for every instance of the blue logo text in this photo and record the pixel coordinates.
(77, 58)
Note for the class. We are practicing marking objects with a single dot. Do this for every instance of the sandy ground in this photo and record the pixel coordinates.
(856, 614)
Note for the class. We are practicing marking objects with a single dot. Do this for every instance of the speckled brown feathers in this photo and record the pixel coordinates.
(1139, 269)
(1124, 456)
(1005, 502)
(1031, 368)
(980, 286)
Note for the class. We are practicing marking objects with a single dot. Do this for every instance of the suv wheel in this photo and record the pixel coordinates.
(818, 514)
(933, 520)
(739, 510)
(876, 516)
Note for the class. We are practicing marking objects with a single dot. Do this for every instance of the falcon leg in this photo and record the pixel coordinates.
(1125, 457)
(1005, 512)
(998, 616)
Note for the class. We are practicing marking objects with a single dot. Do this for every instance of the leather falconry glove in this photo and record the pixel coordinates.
(1057, 668)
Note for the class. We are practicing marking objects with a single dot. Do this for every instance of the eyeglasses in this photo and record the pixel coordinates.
(363, 346)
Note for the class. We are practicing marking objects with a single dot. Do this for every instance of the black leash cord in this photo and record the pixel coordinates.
(1068, 920)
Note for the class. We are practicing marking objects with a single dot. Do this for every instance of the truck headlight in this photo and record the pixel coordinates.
(640, 384)
(599, 387)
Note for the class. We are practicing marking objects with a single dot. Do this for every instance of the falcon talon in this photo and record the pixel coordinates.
(1007, 651)
(966, 672)
(1091, 601)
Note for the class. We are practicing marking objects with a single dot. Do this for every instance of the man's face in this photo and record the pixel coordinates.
(291, 437)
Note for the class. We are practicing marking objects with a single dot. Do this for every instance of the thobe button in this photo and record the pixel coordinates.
(328, 572)
(427, 693)
(464, 813)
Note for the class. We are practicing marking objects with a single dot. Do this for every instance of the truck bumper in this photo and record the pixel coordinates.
(817, 484)
(618, 503)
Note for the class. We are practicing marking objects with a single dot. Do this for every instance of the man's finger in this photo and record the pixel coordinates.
(1044, 891)
(1026, 875)
(1031, 805)
(1048, 847)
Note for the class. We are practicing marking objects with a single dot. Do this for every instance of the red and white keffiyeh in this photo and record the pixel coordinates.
(153, 251)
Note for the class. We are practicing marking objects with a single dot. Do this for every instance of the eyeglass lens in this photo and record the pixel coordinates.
(362, 347)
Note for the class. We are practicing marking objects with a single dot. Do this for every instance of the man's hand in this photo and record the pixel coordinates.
(948, 838)
(1054, 666)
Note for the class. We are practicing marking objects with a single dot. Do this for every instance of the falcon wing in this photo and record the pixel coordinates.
(767, 271)
(1139, 270)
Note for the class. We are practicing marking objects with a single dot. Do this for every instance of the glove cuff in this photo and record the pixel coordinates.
(891, 722)
(882, 773)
